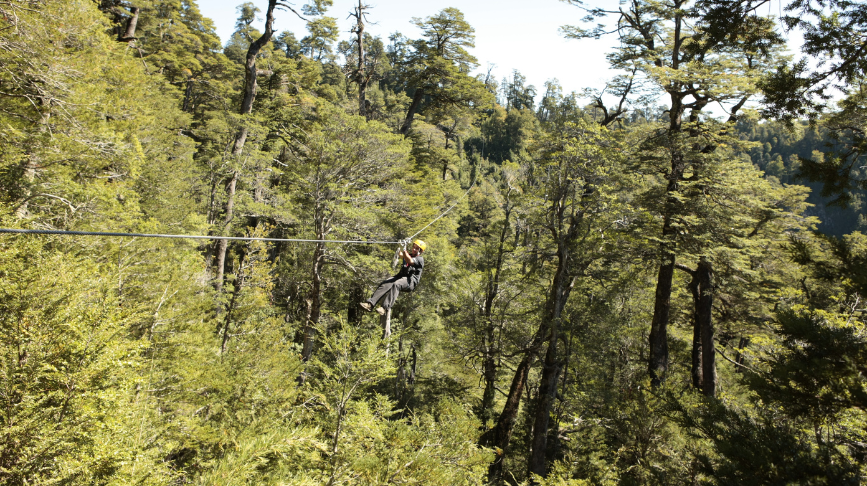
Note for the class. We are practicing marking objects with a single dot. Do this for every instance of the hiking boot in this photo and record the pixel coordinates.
(380, 310)
(366, 306)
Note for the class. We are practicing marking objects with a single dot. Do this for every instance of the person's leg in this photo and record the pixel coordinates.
(384, 288)
(392, 293)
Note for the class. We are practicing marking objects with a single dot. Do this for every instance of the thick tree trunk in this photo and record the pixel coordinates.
(696, 333)
(658, 346)
(704, 312)
(240, 141)
(658, 357)
(500, 435)
(410, 113)
(547, 393)
(703, 352)
(129, 33)
(560, 290)
(223, 245)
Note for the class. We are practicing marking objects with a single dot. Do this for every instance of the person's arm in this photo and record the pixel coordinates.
(407, 257)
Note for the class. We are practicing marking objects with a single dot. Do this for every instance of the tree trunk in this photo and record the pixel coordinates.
(385, 321)
(499, 436)
(188, 97)
(658, 355)
(560, 289)
(413, 369)
(30, 166)
(743, 342)
(491, 347)
(658, 346)
(131, 25)
(356, 295)
(547, 393)
(227, 322)
(696, 370)
(250, 85)
(410, 113)
(448, 135)
(400, 376)
(250, 88)
(314, 300)
(224, 244)
(489, 374)
(703, 353)
(704, 312)
(361, 78)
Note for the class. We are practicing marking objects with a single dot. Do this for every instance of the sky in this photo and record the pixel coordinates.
(510, 34)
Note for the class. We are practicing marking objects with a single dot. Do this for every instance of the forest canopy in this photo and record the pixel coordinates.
(620, 286)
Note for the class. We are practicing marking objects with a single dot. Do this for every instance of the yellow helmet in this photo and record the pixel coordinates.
(420, 244)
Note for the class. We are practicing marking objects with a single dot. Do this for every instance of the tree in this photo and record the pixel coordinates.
(65, 397)
(840, 167)
(363, 72)
(516, 95)
(689, 67)
(251, 88)
(808, 381)
(437, 67)
(323, 33)
(733, 218)
(244, 34)
(340, 165)
(581, 175)
(833, 35)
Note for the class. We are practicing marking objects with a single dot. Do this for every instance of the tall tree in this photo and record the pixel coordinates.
(581, 160)
(251, 87)
(339, 167)
(361, 77)
(834, 35)
(437, 67)
(689, 63)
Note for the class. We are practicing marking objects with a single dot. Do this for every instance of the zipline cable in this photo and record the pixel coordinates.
(444, 213)
(194, 237)
(233, 238)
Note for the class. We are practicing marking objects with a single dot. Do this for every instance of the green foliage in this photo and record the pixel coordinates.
(832, 32)
(123, 362)
(318, 44)
(69, 369)
(435, 70)
(763, 447)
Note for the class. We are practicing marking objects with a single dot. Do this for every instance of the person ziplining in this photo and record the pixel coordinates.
(405, 280)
